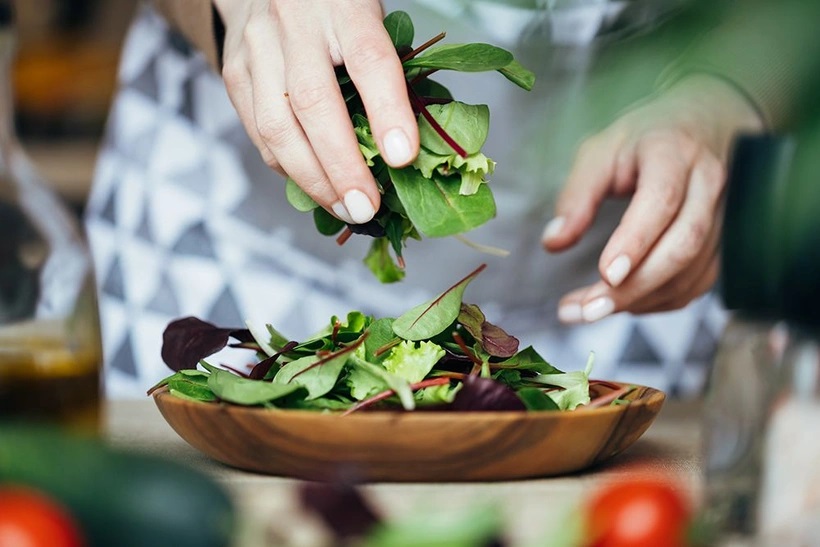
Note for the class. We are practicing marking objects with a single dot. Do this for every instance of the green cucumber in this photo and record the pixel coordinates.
(119, 498)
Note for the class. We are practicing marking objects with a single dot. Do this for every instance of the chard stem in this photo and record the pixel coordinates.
(344, 236)
(390, 392)
(419, 105)
(432, 41)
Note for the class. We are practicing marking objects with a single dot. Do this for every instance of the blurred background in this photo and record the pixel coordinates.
(64, 80)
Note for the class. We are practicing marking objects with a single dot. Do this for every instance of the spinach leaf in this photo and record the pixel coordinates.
(326, 224)
(536, 399)
(435, 206)
(474, 57)
(432, 317)
(399, 27)
(243, 391)
(318, 380)
(527, 359)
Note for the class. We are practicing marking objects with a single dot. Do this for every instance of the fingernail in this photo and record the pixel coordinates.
(570, 313)
(618, 270)
(396, 147)
(339, 210)
(553, 228)
(359, 206)
(598, 309)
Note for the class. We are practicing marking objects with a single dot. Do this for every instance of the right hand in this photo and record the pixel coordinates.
(278, 65)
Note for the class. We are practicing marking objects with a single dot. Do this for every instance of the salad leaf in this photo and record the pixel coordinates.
(432, 317)
(188, 340)
(493, 339)
(413, 362)
(575, 384)
(483, 394)
(243, 391)
(318, 380)
(444, 193)
(535, 399)
(463, 58)
(435, 205)
(366, 379)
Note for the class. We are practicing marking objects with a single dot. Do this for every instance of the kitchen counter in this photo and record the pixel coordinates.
(268, 504)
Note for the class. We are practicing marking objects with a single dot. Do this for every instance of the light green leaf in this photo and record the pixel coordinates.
(437, 395)
(411, 362)
(467, 124)
(242, 391)
(575, 384)
(379, 261)
(435, 206)
(298, 198)
(475, 57)
(366, 379)
(318, 380)
(432, 317)
(517, 74)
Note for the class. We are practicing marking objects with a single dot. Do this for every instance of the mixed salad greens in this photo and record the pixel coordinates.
(444, 192)
(442, 354)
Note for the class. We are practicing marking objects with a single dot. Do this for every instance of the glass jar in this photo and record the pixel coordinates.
(50, 352)
(735, 413)
(789, 505)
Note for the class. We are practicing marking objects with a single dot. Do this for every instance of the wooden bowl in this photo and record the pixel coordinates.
(421, 446)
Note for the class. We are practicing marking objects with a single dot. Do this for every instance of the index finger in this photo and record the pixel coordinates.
(318, 105)
(374, 66)
(663, 173)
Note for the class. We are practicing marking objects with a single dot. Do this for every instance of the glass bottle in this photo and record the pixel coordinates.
(50, 353)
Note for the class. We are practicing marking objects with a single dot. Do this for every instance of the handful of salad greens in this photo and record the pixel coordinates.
(444, 192)
(442, 354)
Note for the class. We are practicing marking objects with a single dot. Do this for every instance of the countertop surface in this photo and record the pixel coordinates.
(268, 505)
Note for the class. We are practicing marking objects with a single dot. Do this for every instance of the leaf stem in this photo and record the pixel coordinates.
(432, 41)
(460, 341)
(333, 355)
(344, 236)
(416, 101)
(390, 392)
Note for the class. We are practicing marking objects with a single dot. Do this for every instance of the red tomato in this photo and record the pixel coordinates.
(637, 513)
(30, 519)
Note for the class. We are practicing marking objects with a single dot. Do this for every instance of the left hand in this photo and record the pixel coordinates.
(670, 153)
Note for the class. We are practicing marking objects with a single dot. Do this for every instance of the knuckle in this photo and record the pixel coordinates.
(232, 73)
(368, 57)
(306, 97)
(274, 131)
(690, 243)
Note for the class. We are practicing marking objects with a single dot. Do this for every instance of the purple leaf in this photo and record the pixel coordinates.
(340, 506)
(494, 339)
(484, 394)
(187, 341)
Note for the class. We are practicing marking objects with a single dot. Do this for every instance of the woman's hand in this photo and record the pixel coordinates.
(278, 61)
(670, 154)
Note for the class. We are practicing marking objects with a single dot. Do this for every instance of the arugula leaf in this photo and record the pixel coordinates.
(476, 57)
(432, 317)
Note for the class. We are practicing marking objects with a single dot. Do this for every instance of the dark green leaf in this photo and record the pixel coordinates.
(527, 359)
(536, 399)
(326, 223)
(430, 88)
(400, 29)
(435, 206)
(517, 74)
(474, 57)
(379, 334)
(432, 317)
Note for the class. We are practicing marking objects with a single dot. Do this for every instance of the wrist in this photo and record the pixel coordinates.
(721, 99)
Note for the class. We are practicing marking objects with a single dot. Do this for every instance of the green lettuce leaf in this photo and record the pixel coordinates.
(413, 362)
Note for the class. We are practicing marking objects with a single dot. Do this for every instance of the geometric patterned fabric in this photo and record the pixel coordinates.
(184, 218)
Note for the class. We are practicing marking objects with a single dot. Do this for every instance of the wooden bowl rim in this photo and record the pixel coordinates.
(649, 396)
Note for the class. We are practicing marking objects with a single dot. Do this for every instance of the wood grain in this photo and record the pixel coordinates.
(410, 446)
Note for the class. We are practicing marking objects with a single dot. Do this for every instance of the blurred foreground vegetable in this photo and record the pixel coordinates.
(31, 519)
(119, 499)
